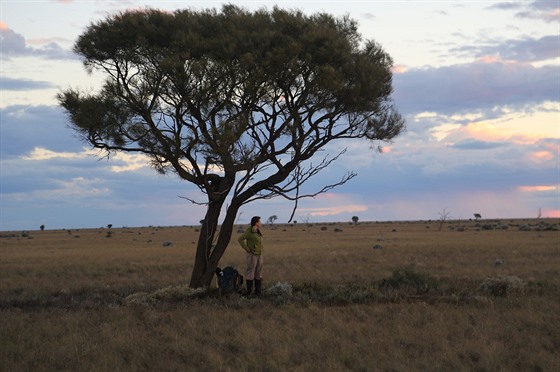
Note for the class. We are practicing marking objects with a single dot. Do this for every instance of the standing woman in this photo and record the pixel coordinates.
(251, 241)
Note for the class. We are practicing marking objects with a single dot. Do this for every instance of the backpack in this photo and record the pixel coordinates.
(229, 280)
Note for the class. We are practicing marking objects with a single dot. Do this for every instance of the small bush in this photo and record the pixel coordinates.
(171, 294)
(280, 293)
(502, 286)
(280, 289)
(409, 279)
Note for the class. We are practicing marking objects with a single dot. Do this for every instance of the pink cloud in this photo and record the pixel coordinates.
(554, 213)
(334, 210)
(542, 156)
(399, 69)
(332, 204)
(3, 26)
(537, 188)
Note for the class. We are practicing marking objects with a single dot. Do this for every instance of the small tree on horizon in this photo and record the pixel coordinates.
(239, 104)
(272, 219)
(355, 219)
(443, 216)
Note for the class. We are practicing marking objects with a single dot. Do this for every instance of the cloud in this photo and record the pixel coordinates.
(119, 162)
(13, 44)
(547, 151)
(464, 88)
(506, 6)
(132, 162)
(332, 204)
(40, 154)
(472, 144)
(24, 128)
(333, 210)
(519, 50)
(545, 10)
(538, 188)
(7, 83)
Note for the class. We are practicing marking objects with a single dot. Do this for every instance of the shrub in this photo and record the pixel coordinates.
(180, 293)
(502, 286)
(280, 293)
(409, 279)
(280, 289)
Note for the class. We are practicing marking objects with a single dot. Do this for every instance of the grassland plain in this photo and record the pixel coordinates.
(392, 296)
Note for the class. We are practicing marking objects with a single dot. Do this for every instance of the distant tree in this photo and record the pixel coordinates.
(109, 225)
(443, 216)
(237, 103)
(477, 216)
(42, 227)
(355, 219)
(271, 219)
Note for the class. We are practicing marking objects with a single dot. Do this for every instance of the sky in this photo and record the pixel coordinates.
(478, 83)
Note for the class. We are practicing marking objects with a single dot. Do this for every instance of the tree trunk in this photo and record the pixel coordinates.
(208, 256)
(199, 277)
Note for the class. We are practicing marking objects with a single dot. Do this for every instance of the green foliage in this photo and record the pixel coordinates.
(203, 81)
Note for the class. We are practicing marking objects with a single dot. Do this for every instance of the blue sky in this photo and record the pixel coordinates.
(478, 83)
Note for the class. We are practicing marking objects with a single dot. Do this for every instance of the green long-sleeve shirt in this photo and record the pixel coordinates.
(251, 241)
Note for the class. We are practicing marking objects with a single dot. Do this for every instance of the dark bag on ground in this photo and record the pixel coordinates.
(229, 280)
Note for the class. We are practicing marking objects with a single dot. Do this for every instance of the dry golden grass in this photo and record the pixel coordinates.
(65, 301)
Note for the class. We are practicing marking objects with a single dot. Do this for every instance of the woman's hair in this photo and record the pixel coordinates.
(254, 220)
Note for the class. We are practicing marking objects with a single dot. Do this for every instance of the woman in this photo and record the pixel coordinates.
(251, 241)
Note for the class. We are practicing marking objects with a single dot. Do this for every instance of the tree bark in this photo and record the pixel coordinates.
(201, 276)
(208, 255)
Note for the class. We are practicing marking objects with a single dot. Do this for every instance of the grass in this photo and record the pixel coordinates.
(424, 300)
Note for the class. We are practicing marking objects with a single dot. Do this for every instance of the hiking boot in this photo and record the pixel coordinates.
(258, 287)
(249, 288)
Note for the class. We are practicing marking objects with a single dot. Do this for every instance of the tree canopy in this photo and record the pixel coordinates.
(232, 101)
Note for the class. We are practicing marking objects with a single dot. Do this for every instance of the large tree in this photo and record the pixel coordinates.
(238, 103)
